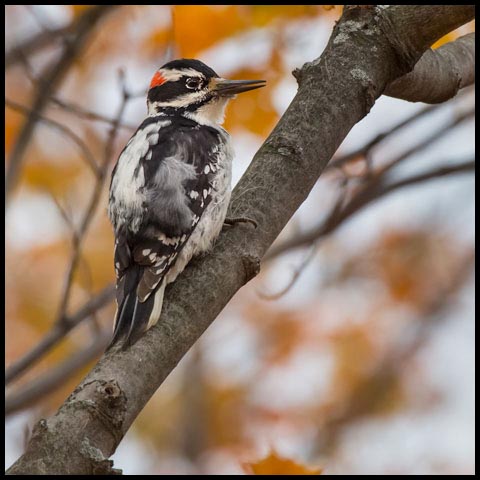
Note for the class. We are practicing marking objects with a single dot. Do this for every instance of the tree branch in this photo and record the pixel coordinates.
(336, 216)
(372, 192)
(47, 84)
(365, 150)
(59, 331)
(329, 102)
(87, 154)
(439, 74)
(54, 377)
(87, 114)
(42, 39)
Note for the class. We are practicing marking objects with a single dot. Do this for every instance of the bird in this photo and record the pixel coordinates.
(170, 189)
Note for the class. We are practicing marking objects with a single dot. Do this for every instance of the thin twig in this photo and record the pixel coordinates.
(88, 114)
(296, 275)
(51, 78)
(91, 209)
(427, 141)
(53, 378)
(87, 154)
(372, 192)
(364, 150)
(58, 332)
(65, 323)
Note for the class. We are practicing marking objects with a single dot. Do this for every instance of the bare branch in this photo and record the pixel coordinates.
(371, 192)
(89, 115)
(91, 209)
(63, 323)
(49, 81)
(427, 141)
(55, 377)
(439, 74)
(370, 185)
(296, 275)
(363, 151)
(339, 161)
(58, 332)
(87, 154)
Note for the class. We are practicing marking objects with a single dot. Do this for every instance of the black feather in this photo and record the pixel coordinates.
(132, 316)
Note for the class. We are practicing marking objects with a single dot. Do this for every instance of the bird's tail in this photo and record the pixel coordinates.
(134, 318)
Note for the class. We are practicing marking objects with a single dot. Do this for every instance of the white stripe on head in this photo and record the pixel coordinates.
(182, 101)
(172, 75)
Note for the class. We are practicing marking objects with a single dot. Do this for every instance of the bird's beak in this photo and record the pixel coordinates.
(229, 88)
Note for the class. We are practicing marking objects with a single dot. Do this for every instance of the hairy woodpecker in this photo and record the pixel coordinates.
(170, 188)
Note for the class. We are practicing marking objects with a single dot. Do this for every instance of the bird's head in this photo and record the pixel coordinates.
(191, 88)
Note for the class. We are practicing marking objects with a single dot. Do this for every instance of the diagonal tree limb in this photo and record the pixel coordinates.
(364, 150)
(372, 192)
(333, 221)
(329, 102)
(439, 74)
(33, 44)
(52, 77)
(101, 299)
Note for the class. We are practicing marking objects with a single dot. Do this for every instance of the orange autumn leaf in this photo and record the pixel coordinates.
(273, 464)
(198, 27)
(262, 15)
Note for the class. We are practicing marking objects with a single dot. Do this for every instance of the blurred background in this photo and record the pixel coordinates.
(353, 350)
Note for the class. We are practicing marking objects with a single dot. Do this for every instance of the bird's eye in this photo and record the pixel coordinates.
(193, 82)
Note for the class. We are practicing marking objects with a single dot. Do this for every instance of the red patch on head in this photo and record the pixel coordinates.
(157, 80)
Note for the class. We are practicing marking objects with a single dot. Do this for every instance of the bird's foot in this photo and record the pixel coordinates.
(230, 222)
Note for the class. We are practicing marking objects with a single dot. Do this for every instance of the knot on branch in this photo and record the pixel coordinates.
(251, 266)
(100, 464)
(40, 428)
(111, 393)
(368, 85)
(285, 147)
(104, 400)
(298, 74)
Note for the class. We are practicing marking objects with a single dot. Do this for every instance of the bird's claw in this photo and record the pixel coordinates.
(230, 222)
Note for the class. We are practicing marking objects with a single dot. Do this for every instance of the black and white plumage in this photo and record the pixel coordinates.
(170, 188)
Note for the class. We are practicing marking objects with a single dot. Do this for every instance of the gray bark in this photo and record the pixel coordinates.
(439, 74)
(370, 47)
